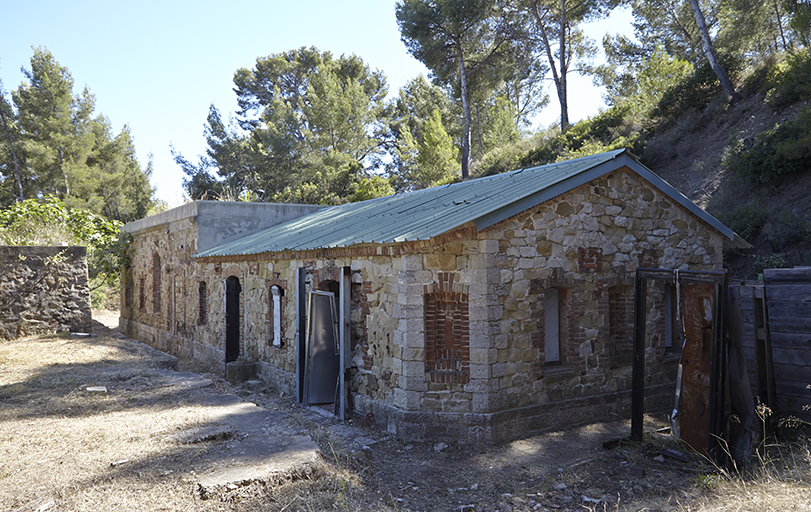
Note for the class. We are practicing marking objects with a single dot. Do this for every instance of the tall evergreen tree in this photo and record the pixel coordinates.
(65, 151)
(311, 128)
(463, 42)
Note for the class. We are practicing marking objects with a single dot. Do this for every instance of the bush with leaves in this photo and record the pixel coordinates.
(611, 129)
(791, 81)
(785, 149)
(49, 221)
(697, 89)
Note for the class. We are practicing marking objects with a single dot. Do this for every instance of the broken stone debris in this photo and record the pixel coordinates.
(97, 390)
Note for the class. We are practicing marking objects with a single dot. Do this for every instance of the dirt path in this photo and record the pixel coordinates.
(149, 442)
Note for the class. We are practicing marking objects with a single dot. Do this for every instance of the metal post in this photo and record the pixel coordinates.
(638, 379)
(301, 329)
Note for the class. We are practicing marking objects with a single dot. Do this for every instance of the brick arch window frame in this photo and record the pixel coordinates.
(554, 306)
(447, 337)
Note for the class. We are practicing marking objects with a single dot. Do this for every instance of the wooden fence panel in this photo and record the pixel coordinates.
(788, 298)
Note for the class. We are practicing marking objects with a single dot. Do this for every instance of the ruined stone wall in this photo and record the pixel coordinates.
(160, 305)
(43, 290)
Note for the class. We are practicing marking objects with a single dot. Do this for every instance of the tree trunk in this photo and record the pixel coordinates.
(466, 109)
(562, 93)
(558, 78)
(709, 52)
(14, 154)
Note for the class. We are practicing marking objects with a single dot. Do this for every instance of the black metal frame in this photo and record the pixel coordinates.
(718, 376)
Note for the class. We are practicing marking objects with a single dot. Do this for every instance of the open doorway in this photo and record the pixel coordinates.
(232, 291)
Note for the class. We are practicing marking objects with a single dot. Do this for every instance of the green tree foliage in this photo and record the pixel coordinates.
(432, 161)
(799, 12)
(311, 128)
(791, 81)
(467, 44)
(416, 103)
(64, 150)
(49, 220)
(644, 81)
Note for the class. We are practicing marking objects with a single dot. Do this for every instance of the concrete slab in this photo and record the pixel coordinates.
(264, 445)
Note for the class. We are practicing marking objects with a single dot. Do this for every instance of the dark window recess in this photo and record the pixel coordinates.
(156, 284)
(202, 310)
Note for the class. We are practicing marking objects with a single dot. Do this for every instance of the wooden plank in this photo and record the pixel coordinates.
(791, 340)
(792, 372)
(796, 324)
(791, 356)
(787, 275)
(797, 390)
(789, 309)
(787, 406)
(788, 292)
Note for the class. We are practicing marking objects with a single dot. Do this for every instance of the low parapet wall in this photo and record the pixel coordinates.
(43, 290)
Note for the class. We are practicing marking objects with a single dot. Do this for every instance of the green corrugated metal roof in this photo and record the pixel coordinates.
(427, 213)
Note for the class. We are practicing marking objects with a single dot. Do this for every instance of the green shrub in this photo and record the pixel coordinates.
(611, 129)
(785, 149)
(746, 220)
(791, 81)
(696, 91)
(49, 221)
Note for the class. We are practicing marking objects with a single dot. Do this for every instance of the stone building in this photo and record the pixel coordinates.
(481, 310)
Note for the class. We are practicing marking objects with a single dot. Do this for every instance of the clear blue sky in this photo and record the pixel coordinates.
(158, 65)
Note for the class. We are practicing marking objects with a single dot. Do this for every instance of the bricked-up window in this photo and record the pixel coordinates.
(276, 294)
(551, 322)
(142, 293)
(447, 337)
(156, 284)
(202, 307)
(621, 324)
(128, 291)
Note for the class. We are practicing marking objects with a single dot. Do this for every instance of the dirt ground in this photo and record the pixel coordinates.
(64, 447)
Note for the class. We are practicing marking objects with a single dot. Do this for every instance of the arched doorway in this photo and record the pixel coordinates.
(232, 291)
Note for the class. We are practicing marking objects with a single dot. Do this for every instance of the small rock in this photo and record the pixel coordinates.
(465, 508)
(474, 487)
(97, 390)
(659, 458)
(440, 447)
(559, 487)
(636, 471)
(45, 506)
(506, 495)
(585, 500)
(409, 447)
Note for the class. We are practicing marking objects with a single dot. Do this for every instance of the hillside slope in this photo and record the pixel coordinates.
(690, 153)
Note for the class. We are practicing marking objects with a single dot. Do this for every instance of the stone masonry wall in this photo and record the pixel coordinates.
(43, 290)
(449, 336)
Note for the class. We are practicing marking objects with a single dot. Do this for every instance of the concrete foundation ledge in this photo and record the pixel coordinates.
(508, 424)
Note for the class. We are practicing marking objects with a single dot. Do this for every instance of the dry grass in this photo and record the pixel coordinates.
(63, 448)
